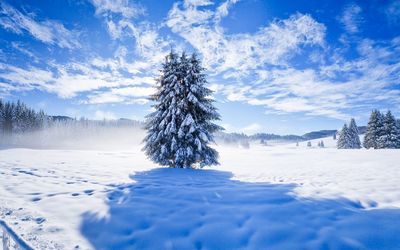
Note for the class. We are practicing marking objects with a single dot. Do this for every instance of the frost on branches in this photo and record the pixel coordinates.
(181, 128)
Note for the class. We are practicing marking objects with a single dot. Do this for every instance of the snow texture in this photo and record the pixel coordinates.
(275, 197)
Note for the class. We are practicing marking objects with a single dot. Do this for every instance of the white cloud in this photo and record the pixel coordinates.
(71, 79)
(333, 90)
(223, 9)
(19, 47)
(47, 31)
(127, 95)
(351, 18)
(393, 12)
(272, 44)
(104, 115)
(252, 128)
(126, 8)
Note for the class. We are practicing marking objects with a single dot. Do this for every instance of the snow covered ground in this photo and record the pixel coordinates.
(275, 197)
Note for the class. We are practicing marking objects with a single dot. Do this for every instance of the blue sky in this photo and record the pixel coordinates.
(275, 66)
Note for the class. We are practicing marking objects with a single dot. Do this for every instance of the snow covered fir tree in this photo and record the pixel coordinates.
(355, 138)
(181, 128)
(391, 133)
(348, 136)
(383, 131)
(374, 130)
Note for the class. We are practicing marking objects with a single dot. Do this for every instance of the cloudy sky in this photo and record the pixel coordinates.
(275, 66)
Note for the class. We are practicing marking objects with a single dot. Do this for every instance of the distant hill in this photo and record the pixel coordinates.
(60, 118)
(241, 138)
(274, 137)
(235, 137)
(318, 134)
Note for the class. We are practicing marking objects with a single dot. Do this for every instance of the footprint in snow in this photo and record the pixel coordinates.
(40, 220)
(89, 192)
(35, 199)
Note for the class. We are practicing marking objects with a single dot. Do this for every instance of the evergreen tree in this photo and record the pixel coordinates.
(18, 118)
(179, 131)
(374, 130)
(344, 139)
(334, 136)
(353, 133)
(390, 138)
(309, 144)
(398, 132)
(322, 144)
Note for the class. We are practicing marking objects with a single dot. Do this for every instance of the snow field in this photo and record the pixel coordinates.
(279, 196)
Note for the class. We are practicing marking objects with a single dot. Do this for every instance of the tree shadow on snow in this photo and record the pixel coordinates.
(204, 209)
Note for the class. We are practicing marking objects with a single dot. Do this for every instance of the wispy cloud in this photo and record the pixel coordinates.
(256, 68)
(47, 31)
(333, 90)
(351, 18)
(393, 12)
(67, 81)
(272, 44)
(125, 8)
(21, 48)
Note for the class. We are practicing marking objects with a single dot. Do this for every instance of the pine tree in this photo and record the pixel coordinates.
(398, 132)
(309, 144)
(374, 130)
(322, 145)
(179, 131)
(390, 138)
(353, 133)
(344, 139)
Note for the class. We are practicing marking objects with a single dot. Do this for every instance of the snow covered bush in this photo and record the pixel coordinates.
(180, 129)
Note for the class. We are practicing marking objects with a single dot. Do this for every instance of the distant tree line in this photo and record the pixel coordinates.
(19, 118)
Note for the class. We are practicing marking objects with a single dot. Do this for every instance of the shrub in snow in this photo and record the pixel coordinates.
(309, 144)
(322, 145)
(263, 142)
(334, 136)
(180, 129)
